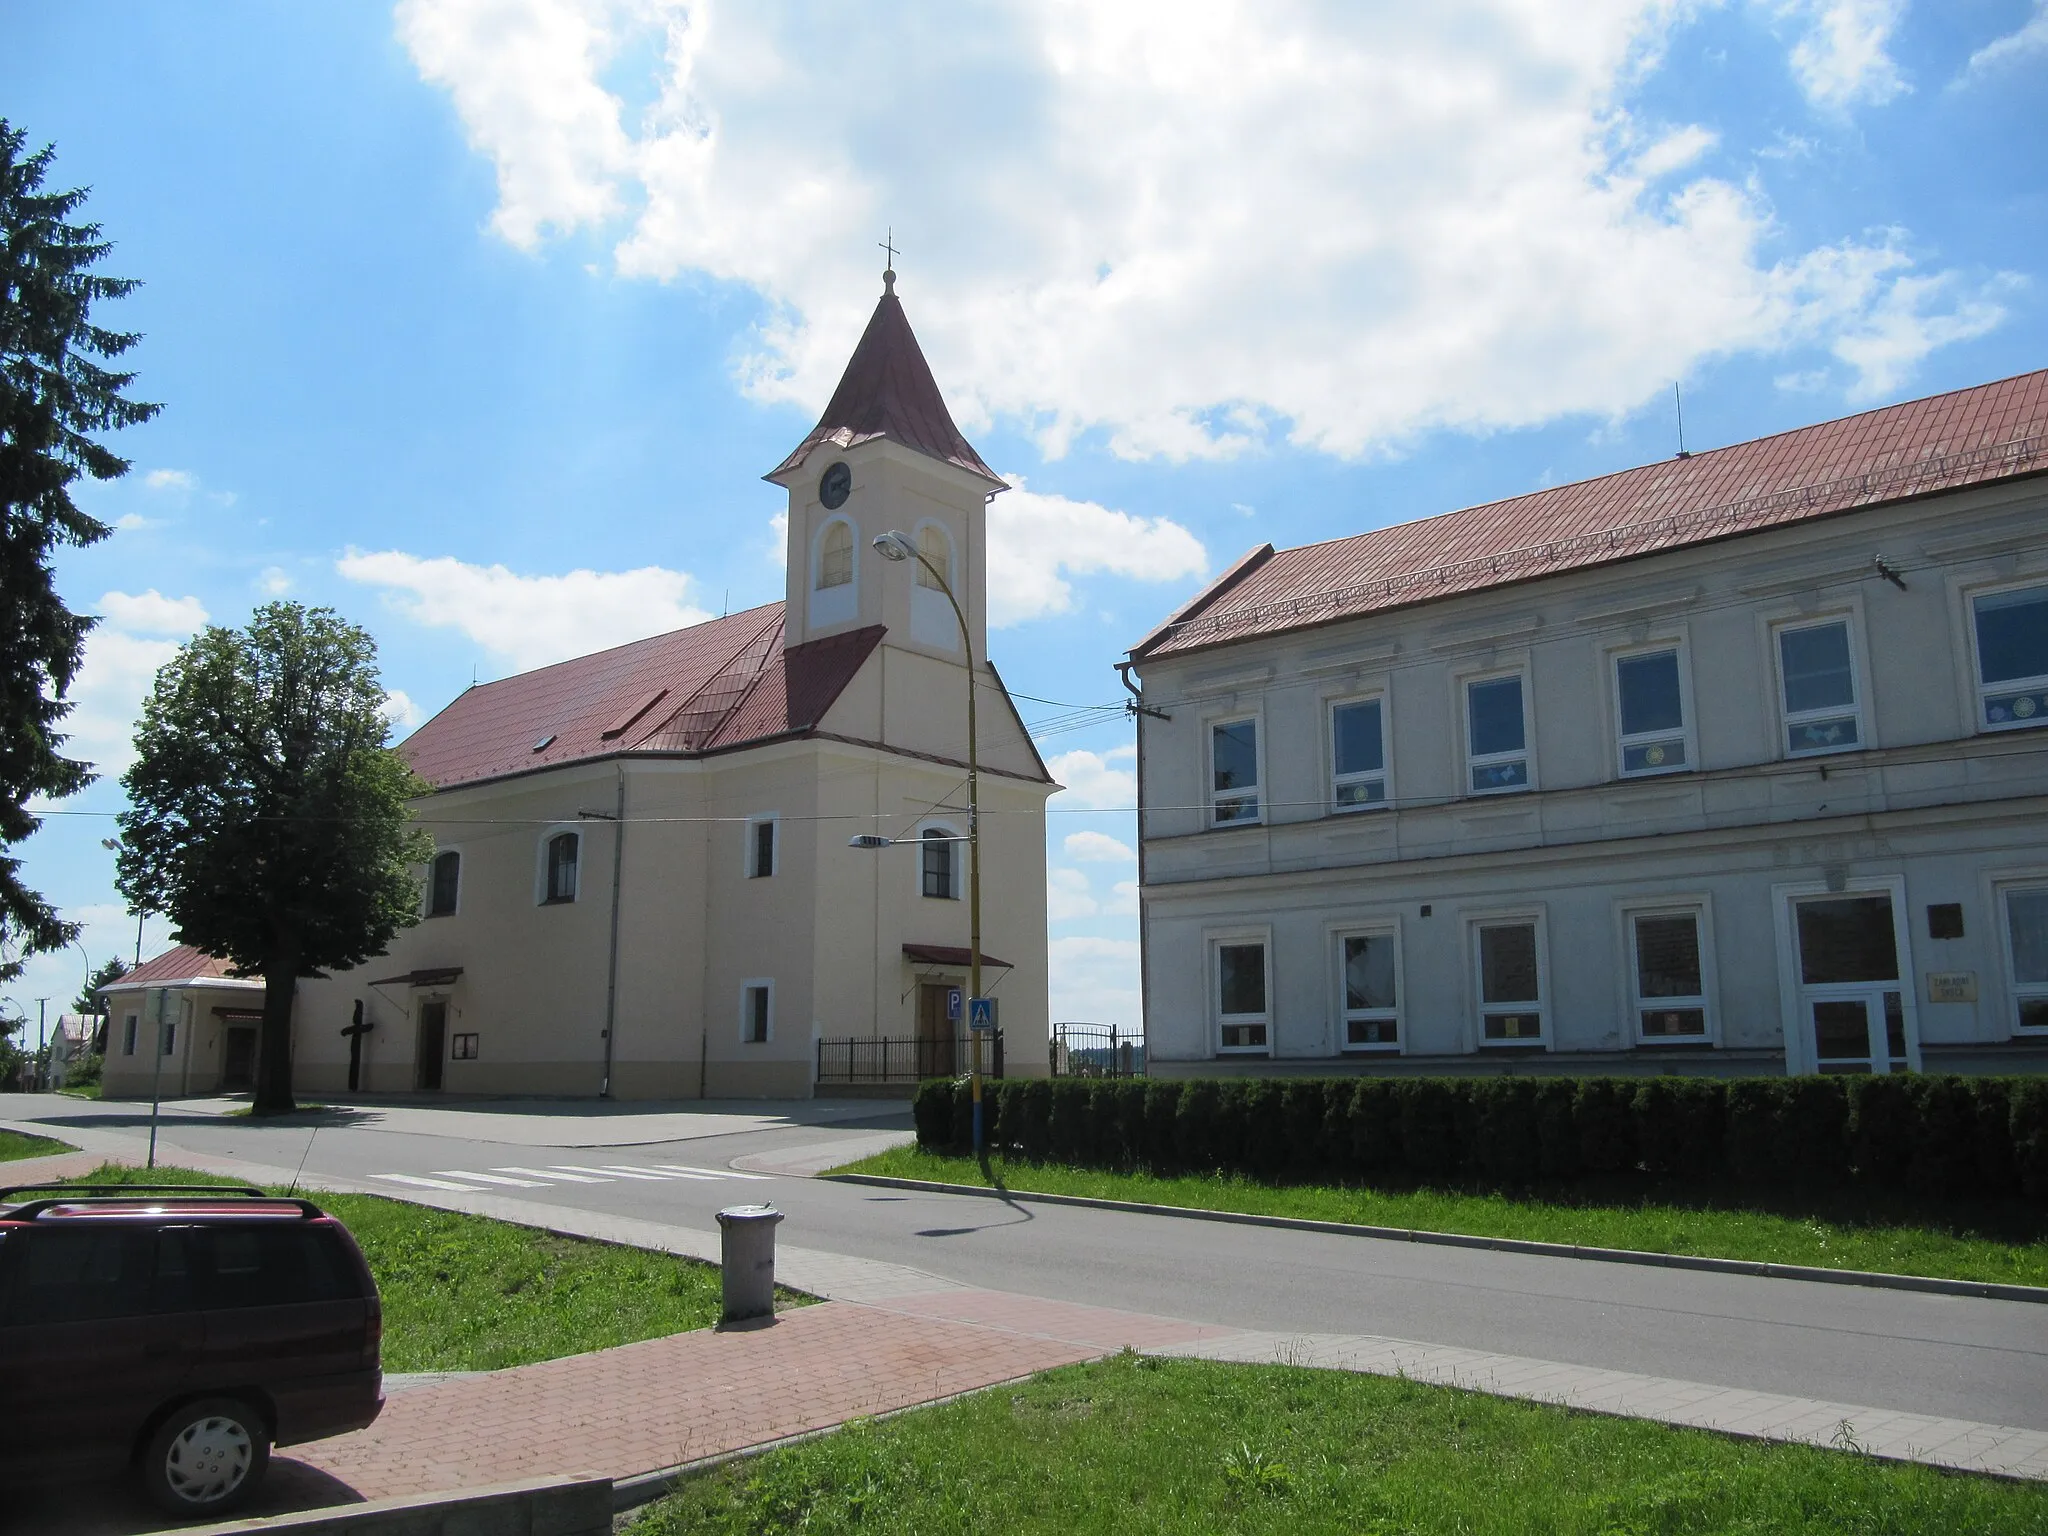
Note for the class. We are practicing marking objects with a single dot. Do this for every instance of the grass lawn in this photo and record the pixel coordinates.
(15, 1145)
(1135, 1445)
(2005, 1242)
(464, 1293)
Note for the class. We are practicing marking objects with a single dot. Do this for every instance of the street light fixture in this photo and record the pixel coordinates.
(897, 547)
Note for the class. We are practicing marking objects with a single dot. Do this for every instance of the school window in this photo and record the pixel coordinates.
(941, 867)
(443, 884)
(1358, 765)
(1234, 771)
(2026, 952)
(1670, 986)
(2012, 658)
(128, 1035)
(1510, 984)
(835, 556)
(1819, 689)
(561, 870)
(1496, 735)
(756, 1003)
(761, 848)
(1371, 1007)
(1651, 707)
(1241, 1002)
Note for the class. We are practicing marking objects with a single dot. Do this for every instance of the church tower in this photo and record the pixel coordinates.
(886, 456)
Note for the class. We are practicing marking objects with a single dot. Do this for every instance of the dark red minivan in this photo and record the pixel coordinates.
(180, 1332)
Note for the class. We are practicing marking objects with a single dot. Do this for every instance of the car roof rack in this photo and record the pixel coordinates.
(108, 1194)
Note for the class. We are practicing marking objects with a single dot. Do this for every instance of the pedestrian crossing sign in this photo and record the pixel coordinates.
(981, 1013)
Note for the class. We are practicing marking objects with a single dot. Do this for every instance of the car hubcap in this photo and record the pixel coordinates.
(208, 1460)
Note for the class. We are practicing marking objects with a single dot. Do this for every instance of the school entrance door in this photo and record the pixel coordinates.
(1855, 1009)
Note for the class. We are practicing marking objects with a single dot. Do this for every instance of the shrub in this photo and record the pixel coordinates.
(1557, 1136)
(1194, 1127)
(1992, 1101)
(1162, 1111)
(1755, 1106)
(1035, 1128)
(2029, 1124)
(1429, 1129)
(1304, 1110)
(1120, 1122)
(1602, 1111)
(1813, 1132)
(1261, 1106)
(1504, 1145)
(1945, 1152)
(1374, 1127)
(931, 1108)
(1883, 1127)
(1072, 1122)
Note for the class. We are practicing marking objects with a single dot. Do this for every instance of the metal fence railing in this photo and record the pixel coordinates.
(906, 1059)
(1097, 1050)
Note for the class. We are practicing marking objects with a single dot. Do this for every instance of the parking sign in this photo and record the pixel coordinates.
(953, 996)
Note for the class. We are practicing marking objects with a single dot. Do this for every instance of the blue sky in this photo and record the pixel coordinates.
(481, 319)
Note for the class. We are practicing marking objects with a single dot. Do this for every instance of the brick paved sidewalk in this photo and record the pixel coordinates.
(658, 1404)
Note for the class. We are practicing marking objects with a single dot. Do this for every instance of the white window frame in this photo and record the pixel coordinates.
(1216, 943)
(1685, 734)
(958, 878)
(1982, 691)
(1513, 917)
(931, 616)
(540, 865)
(1793, 993)
(1257, 793)
(1527, 753)
(1699, 907)
(818, 553)
(750, 865)
(748, 989)
(1343, 1013)
(2017, 991)
(1789, 719)
(1383, 774)
(461, 864)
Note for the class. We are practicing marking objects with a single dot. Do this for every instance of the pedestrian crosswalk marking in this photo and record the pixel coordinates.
(463, 1181)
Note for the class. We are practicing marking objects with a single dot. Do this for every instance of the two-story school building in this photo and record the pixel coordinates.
(1732, 764)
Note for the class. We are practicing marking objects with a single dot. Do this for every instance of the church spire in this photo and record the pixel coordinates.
(888, 391)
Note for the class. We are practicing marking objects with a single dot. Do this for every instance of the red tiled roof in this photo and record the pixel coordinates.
(717, 685)
(183, 963)
(888, 391)
(1945, 442)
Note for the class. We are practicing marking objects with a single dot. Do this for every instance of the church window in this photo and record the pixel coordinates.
(941, 878)
(933, 544)
(835, 556)
(445, 884)
(562, 858)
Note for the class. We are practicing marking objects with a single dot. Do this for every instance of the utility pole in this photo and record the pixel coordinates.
(42, 1061)
(156, 1076)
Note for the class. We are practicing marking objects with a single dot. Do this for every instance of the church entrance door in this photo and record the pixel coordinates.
(937, 1030)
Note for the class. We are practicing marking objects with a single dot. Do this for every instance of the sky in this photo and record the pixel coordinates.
(480, 320)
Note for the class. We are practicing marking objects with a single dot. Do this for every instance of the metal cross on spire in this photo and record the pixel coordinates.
(888, 244)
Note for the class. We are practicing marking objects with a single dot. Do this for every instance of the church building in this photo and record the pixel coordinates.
(642, 883)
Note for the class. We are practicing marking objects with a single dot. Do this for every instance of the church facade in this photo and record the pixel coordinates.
(642, 883)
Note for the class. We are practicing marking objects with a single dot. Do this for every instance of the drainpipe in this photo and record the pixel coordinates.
(611, 984)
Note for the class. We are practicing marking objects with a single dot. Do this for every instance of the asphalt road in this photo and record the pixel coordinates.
(1953, 1356)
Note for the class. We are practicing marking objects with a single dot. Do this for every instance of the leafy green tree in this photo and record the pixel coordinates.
(54, 394)
(88, 999)
(268, 819)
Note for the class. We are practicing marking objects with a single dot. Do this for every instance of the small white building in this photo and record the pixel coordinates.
(185, 1007)
(1731, 763)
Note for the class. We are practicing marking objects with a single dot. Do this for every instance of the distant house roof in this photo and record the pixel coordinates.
(888, 391)
(1946, 442)
(712, 687)
(182, 965)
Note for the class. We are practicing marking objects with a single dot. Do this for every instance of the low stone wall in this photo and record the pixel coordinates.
(579, 1505)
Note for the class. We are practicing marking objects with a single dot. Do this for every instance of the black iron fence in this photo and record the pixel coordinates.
(904, 1059)
(1097, 1050)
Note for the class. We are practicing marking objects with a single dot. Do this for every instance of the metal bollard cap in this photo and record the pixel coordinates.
(748, 1213)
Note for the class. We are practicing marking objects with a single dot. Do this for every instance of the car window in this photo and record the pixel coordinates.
(78, 1275)
(265, 1266)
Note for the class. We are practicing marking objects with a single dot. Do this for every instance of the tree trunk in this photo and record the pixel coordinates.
(274, 1057)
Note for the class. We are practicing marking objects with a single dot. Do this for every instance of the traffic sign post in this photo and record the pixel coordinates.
(981, 1013)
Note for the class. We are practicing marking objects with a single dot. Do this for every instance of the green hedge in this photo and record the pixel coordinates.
(1936, 1136)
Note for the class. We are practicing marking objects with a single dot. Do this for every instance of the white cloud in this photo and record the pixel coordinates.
(1033, 537)
(400, 711)
(1095, 980)
(275, 581)
(138, 634)
(2029, 41)
(152, 613)
(1843, 56)
(1123, 901)
(1093, 781)
(1097, 848)
(1914, 316)
(1475, 236)
(778, 543)
(109, 930)
(132, 521)
(1067, 895)
(528, 620)
(181, 482)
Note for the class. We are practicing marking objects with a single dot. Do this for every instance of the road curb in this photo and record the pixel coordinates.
(1984, 1289)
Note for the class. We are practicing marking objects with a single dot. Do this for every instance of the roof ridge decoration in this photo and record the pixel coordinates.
(888, 391)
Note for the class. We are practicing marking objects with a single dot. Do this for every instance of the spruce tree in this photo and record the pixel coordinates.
(56, 392)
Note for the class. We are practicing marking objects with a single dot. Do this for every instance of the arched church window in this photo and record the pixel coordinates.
(562, 861)
(933, 544)
(835, 556)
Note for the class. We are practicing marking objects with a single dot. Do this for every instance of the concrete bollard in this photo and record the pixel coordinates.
(746, 1251)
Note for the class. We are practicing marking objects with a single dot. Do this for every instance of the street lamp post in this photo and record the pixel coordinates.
(898, 547)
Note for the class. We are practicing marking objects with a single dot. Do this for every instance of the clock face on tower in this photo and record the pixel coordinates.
(835, 486)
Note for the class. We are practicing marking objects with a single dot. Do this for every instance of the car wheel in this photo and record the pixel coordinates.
(206, 1457)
